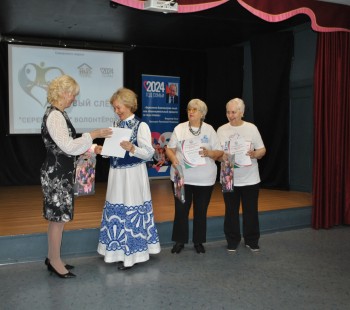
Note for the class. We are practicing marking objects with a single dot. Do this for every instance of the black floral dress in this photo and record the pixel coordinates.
(57, 175)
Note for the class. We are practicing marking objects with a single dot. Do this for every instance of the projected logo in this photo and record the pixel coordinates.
(34, 80)
(107, 72)
(85, 70)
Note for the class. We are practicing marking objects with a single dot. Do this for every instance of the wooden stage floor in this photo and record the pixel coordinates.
(21, 206)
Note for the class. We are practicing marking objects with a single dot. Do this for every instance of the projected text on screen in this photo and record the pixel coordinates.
(31, 68)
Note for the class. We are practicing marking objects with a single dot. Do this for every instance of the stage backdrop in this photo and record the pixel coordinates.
(160, 110)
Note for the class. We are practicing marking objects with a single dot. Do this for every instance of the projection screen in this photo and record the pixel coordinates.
(31, 68)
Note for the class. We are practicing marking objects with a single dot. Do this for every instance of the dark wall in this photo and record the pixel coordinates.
(224, 80)
(301, 107)
(271, 66)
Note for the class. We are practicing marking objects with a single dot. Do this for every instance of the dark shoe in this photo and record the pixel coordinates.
(122, 267)
(67, 275)
(253, 248)
(199, 248)
(177, 248)
(68, 267)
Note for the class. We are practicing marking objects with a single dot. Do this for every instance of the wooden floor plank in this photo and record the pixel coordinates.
(21, 206)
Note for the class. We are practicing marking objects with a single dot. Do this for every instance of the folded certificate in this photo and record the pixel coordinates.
(111, 146)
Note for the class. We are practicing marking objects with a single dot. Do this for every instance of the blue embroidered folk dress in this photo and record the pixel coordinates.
(128, 233)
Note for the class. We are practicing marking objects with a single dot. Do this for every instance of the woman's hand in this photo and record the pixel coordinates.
(98, 149)
(258, 154)
(213, 154)
(128, 146)
(204, 152)
(101, 133)
(224, 157)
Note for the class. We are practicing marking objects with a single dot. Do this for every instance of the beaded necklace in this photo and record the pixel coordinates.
(197, 132)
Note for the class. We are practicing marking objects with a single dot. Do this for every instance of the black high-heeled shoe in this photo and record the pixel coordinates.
(68, 267)
(67, 275)
(122, 267)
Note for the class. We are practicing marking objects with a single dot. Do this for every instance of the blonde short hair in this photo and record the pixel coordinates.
(127, 97)
(200, 105)
(59, 86)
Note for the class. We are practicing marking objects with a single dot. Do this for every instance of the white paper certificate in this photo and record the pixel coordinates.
(111, 146)
(190, 151)
(240, 147)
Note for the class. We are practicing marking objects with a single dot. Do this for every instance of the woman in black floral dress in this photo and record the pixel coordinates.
(57, 171)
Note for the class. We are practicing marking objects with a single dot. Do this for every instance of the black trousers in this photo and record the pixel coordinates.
(248, 195)
(200, 196)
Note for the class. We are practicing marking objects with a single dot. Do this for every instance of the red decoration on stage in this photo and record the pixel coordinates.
(325, 16)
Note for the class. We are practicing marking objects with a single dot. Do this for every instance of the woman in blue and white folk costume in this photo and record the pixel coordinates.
(128, 233)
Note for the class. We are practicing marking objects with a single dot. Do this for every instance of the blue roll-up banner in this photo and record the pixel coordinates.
(161, 111)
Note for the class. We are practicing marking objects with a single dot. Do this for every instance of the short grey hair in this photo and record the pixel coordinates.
(239, 102)
(200, 105)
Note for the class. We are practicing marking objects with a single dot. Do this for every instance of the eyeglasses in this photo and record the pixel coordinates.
(192, 110)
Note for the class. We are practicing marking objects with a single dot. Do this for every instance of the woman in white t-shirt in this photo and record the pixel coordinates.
(246, 177)
(194, 146)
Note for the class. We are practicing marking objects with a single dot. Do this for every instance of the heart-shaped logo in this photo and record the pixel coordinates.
(35, 79)
(145, 85)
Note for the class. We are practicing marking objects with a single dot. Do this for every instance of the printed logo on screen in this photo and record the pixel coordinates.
(85, 70)
(34, 80)
(107, 72)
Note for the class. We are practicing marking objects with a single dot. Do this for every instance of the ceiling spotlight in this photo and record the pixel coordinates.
(164, 6)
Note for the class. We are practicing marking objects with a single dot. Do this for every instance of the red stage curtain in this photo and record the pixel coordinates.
(325, 16)
(331, 172)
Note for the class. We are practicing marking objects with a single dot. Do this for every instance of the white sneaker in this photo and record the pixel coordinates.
(255, 248)
(231, 249)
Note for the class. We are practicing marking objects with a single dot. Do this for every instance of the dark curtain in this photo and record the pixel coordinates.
(271, 64)
(190, 66)
(331, 171)
(224, 80)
